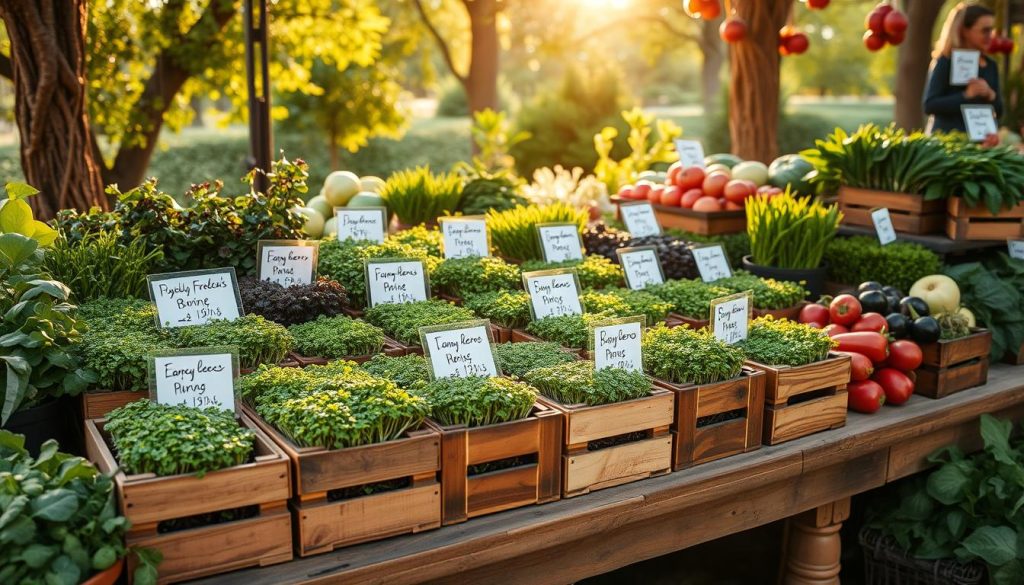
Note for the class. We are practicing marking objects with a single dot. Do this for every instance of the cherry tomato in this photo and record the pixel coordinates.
(814, 313)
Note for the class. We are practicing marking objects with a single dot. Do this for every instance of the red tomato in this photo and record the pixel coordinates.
(626, 191)
(738, 190)
(895, 39)
(655, 194)
(813, 312)
(875, 21)
(640, 190)
(835, 329)
(733, 30)
(871, 322)
(690, 197)
(865, 396)
(874, 41)
(730, 206)
(861, 367)
(797, 44)
(873, 345)
(714, 184)
(707, 204)
(905, 355)
(671, 196)
(897, 386)
(690, 178)
(673, 173)
(845, 310)
(894, 23)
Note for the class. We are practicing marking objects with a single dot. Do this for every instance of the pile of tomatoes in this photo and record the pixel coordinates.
(882, 371)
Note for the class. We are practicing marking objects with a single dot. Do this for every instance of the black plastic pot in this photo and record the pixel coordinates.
(56, 419)
(813, 278)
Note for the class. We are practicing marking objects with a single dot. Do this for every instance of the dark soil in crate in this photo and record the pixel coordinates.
(501, 464)
(714, 419)
(368, 489)
(208, 519)
(618, 440)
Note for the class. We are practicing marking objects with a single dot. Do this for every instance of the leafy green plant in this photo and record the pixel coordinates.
(408, 372)
(858, 259)
(968, 508)
(494, 137)
(258, 341)
(171, 440)
(787, 232)
(119, 334)
(768, 293)
(514, 231)
(642, 157)
(593, 271)
(335, 337)
(464, 276)
(429, 240)
(994, 292)
(639, 302)
(60, 522)
(417, 195)
(343, 262)
(101, 265)
(486, 192)
(690, 298)
(736, 245)
(478, 400)
(516, 359)
(578, 383)
(683, 356)
(504, 308)
(783, 342)
(569, 330)
(403, 321)
(293, 304)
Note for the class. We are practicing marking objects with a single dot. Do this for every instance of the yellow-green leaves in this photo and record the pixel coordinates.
(16, 215)
(787, 232)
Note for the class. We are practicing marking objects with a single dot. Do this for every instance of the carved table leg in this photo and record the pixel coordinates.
(812, 555)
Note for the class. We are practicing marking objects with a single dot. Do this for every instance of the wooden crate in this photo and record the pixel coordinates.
(501, 334)
(675, 319)
(1017, 358)
(147, 500)
(323, 525)
(699, 222)
(910, 214)
(693, 442)
(977, 223)
(954, 365)
(98, 404)
(537, 438)
(804, 400)
(791, 313)
(584, 471)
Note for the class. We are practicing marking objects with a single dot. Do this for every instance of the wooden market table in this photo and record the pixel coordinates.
(810, 479)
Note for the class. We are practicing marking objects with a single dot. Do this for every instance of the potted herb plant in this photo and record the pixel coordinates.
(514, 231)
(690, 300)
(788, 237)
(402, 321)
(506, 310)
(290, 305)
(417, 196)
(343, 262)
(593, 271)
(459, 277)
(517, 359)
(336, 337)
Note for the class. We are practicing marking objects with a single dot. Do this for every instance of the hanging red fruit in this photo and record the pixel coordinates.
(874, 41)
(797, 44)
(875, 21)
(733, 30)
(817, 4)
(895, 38)
(895, 23)
(710, 9)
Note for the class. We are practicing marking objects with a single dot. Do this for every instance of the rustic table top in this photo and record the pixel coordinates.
(938, 243)
(580, 537)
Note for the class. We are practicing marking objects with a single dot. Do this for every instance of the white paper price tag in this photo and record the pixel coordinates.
(641, 266)
(883, 225)
(963, 66)
(464, 237)
(287, 263)
(640, 219)
(195, 380)
(553, 293)
(195, 297)
(979, 120)
(459, 352)
(691, 153)
(712, 262)
(618, 346)
(402, 281)
(361, 223)
(730, 316)
(1016, 249)
(560, 242)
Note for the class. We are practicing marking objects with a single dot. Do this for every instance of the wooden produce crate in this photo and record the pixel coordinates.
(953, 365)
(675, 320)
(977, 223)
(587, 465)
(804, 400)
(261, 488)
(791, 313)
(699, 222)
(716, 420)
(326, 518)
(910, 214)
(98, 404)
(531, 448)
(1017, 358)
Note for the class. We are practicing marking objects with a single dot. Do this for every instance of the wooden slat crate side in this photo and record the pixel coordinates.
(454, 452)
(893, 201)
(323, 527)
(799, 420)
(723, 397)
(693, 323)
(941, 382)
(588, 423)
(549, 457)
(1015, 358)
(501, 490)
(956, 207)
(719, 440)
(904, 222)
(791, 313)
(98, 404)
(624, 463)
(500, 441)
(755, 411)
(949, 352)
(981, 229)
(783, 382)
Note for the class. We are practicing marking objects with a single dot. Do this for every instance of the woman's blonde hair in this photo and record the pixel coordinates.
(962, 16)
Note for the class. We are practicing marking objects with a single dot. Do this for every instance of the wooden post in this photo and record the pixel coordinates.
(813, 545)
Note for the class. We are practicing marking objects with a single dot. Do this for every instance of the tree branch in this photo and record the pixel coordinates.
(634, 18)
(445, 51)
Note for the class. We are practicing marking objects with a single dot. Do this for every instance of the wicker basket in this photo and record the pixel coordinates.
(886, 564)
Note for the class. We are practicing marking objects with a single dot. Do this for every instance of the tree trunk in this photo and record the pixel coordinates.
(713, 51)
(913, 61)
(754, 90)
(481, 83)
(48, 54)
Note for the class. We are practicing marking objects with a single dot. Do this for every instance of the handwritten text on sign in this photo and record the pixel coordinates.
(963, 66)
(979, 121)
(395, 282)
(198, 381)
(729, 317)
(691, 153)
(618, 346)
(711, 263)
(883, 226)
(287, 265)
(640, 219)
(553, 295)
(641, 267)
(361, 223)
(195, 298)
(465, 237)
(1016, 248)
(460, 353)
(560, 242)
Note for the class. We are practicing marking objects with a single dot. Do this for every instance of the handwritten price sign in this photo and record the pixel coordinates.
(395, 281)
(641, 266)
(560, 241)
(730, 316)
(711, 262)
(361, 223)
(198, 377)
(287, 262)
(615, 343)
(459, 350)
(195, 297)
(553, 293)
(465, 237)
(883, 226)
